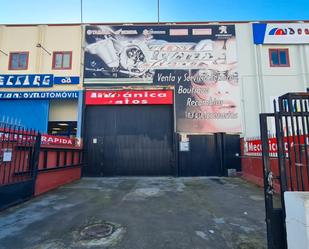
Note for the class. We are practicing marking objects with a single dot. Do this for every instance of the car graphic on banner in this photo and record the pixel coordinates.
(134, 53)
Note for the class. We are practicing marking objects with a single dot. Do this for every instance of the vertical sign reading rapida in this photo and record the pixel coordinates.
(200, 60)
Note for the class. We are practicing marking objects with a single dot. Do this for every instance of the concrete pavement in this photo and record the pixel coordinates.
(140, 213)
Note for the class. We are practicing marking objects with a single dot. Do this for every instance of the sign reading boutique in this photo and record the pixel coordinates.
(200, 60)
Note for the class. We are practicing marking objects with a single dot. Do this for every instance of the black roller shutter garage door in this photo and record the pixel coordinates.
(129, 140)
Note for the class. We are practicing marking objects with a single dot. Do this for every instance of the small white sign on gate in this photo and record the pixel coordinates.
(184, 146)
(7, 155)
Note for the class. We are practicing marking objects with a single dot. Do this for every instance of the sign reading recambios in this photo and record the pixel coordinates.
(137, 97)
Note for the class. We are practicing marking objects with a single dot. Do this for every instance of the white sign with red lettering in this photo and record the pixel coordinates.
(56, 140)
(132, 97)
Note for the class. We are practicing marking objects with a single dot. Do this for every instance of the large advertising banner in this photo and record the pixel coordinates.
(207, 101)
(133, 53)
(199, 60)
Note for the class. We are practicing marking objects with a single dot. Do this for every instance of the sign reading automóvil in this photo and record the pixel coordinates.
(280, 33)
(138, 97)
(39, 95)
(35, 80)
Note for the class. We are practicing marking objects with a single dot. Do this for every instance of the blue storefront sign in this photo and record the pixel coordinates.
(26, 80)
(40, 95)
(35, 80)
(70, 80)
(280, 33)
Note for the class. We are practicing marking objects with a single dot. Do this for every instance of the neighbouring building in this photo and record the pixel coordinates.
(273, 60)
(40, 77)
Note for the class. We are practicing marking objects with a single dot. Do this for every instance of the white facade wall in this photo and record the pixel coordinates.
(260, 82)
(297, 219)
(248, 78)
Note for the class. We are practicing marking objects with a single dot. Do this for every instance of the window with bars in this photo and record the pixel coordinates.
(62, 60)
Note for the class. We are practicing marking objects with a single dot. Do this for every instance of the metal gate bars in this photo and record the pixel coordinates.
(19, 156)
(285, 162)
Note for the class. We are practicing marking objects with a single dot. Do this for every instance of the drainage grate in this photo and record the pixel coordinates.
(97, 231)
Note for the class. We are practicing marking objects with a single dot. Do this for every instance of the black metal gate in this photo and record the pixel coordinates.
(209, 155)
(287, 169)
(129, 140)
(19, 155)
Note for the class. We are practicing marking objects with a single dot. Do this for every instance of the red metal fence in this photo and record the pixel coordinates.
(296, 168)
(31, 163)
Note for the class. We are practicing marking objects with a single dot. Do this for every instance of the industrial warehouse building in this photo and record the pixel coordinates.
(159, 99)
